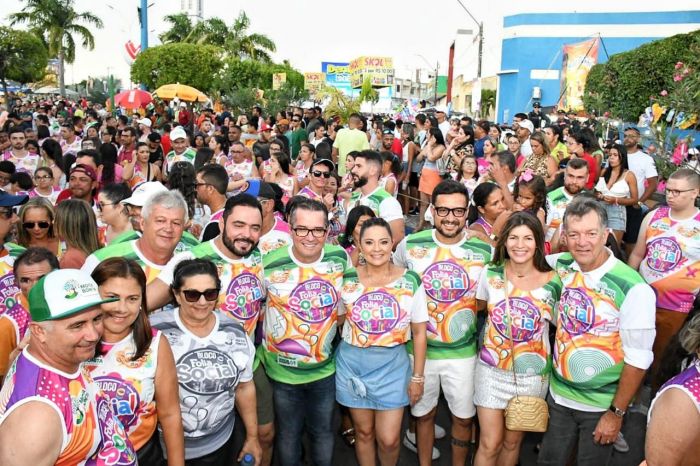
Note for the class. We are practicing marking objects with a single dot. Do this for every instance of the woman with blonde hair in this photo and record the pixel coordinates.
(36, 225)
(76, 225)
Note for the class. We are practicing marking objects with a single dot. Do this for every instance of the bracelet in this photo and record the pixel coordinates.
(418, 378)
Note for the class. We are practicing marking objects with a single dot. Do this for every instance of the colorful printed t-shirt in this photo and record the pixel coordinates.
(27, 164)
(671, 264)
(92, 435)
(129, 385)
(276, 238)
(242, 290)
(529, 312)
(187, 241)
(9, 291)
(187, 156)
(450, 273)
(55, 191)
(687, 381)
(382, 203)
(557, 201)
(594, 308)
(127, 250)
(208, 370)
(382, 316)
(301, 318)
(13, 327)
(308, 192)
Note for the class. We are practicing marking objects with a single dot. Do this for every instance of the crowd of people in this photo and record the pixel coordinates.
(173, 276)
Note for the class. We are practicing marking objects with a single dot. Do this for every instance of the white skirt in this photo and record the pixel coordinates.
(494, 387)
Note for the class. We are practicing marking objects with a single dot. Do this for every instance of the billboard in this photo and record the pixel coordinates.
(278, 79)
(578, 59)
(313, 81)
(337, 75)
(380, 71)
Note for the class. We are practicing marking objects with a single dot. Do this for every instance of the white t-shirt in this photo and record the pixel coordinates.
(643, 167)
(444, 128)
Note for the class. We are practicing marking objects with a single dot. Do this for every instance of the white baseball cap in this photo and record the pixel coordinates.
(527, 124)
(145, 122)
(178, 133)
(63, 293)
(143, 192)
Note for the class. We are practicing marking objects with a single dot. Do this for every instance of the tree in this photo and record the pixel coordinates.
(190, 64)
(235, 40)
(58, 23)
(23, 58)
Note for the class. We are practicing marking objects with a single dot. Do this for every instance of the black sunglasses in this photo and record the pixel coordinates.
(8, 212)
(31, 225)
(319, 174)
(192, 296)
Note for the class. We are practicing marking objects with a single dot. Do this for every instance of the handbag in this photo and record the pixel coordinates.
(523, 413)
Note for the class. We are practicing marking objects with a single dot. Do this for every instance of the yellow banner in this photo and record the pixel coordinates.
(577, 62)
(380, 71)
(314, 81)
(277, 80)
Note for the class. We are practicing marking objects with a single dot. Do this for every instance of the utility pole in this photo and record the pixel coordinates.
(481, 45)
(437, 67)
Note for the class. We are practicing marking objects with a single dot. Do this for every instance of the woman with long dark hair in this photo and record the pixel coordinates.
(485, 206)
(617, 188)
(520, 293)
(111, 170)
(133, 359)
(429, 175)
(52, 157)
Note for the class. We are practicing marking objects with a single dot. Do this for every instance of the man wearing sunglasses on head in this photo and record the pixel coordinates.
(365, 175)
(239, 265)
(321, 171)
(9, 291)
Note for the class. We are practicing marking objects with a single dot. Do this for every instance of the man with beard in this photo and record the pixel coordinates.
(575, 177)
(18, 154)
(365, 178)
(239, 262)
(449, 259)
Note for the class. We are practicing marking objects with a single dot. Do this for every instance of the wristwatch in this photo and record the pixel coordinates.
(616, 411)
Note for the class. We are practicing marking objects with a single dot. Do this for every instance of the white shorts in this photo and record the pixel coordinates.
(456, 377)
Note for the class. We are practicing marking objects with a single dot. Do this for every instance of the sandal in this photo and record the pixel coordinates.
(349, 437)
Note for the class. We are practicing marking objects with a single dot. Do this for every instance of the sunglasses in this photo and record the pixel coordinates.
(8, 213)
(319, 174)
(32, 225)
(192, 296)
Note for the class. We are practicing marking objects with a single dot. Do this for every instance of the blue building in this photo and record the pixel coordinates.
(532, 44)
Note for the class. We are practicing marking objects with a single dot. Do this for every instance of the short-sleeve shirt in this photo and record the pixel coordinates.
(382, 316)
(278, 237)
(383, 204)
(301, 318)
(208, 371)
(27, 164)
(643, 167)
(187, 156)
(557, 201)
(449, 273)
(346, 141)
(530, 312)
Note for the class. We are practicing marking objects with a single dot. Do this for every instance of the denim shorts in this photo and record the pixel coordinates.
(617, 216)
(372, 378)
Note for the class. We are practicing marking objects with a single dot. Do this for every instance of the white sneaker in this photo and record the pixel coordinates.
(409, 441)
(620, 444)
(439, 432)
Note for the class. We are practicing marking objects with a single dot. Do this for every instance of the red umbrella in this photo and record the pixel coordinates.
(135, 98)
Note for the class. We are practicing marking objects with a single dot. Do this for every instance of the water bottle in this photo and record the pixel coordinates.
(248, 460)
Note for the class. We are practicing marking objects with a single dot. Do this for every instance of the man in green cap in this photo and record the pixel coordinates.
(51, 411)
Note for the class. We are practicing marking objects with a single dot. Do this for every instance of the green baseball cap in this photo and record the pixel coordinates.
(63, 293)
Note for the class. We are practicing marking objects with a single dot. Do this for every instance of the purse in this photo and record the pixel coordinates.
(523, 413)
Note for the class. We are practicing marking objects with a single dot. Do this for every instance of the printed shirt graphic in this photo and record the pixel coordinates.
(208, 370)
(276, 238)
(382, 203)
(28, 164)
(588, 355)
(128, 250)
(9, 291)
(187, 156)
(187, 241)
(13, 327)
(687, 381)
(301, 318)
(382, 316)
(530, 311)
(242, 291)
(93, 435)
(129, 385)
(671, 264)
(450, 274)
(557, 201)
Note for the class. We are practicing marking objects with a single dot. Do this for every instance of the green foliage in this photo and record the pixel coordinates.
(626, 83)
(235, 40)
(23, 58)
(338, 105)
(368, 93)
(190, 64)
(57, 23)
(488, 99)
(242, 74)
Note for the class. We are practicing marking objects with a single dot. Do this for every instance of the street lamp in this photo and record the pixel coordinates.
(481, 36)
(437, 67)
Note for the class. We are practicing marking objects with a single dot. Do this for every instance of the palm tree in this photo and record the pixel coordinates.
(213, 31)
(254, 46)
(57, 22)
